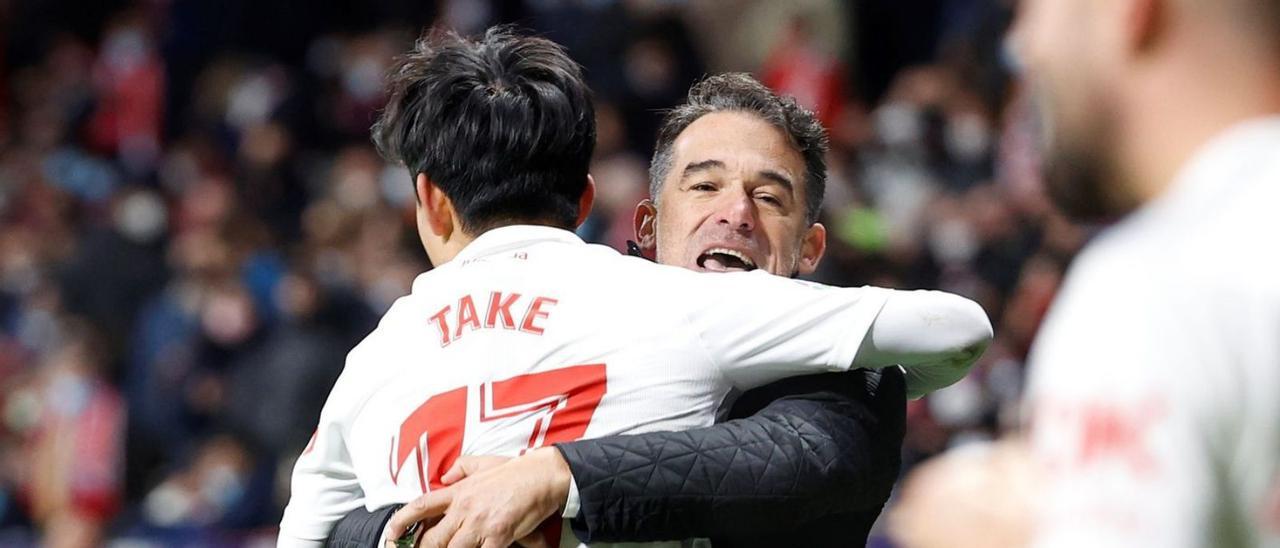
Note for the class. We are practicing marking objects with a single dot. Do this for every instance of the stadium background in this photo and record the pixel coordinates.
(194, 227)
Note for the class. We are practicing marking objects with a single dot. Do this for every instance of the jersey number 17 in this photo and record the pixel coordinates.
(561, 402)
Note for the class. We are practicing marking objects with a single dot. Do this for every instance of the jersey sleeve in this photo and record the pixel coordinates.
(935, 336)
(323, 486)
(760, 328)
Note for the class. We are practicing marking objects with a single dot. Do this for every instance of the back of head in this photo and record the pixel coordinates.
(503, 124)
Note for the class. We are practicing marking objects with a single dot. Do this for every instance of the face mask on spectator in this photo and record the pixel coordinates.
(68, 393)
(968, 138)
(141, 217)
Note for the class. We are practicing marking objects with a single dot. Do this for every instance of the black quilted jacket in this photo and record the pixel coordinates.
(807, 461)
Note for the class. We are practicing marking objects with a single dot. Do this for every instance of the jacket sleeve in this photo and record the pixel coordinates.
(796, 451)
(361, 528)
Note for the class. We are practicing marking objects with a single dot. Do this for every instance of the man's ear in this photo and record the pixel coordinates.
(437, 209)
(646, 220)
(1145, 22)
(812, 248)
(585, 201)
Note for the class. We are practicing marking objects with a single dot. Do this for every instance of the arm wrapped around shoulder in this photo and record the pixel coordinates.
(935, 336)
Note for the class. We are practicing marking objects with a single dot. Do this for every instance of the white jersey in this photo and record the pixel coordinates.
(531, 337)
(1155, 386)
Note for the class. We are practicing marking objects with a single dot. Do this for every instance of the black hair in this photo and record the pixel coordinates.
(503, 124)
(739, 92)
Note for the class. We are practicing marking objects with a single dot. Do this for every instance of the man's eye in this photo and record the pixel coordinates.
(703, 187)
(769, 199)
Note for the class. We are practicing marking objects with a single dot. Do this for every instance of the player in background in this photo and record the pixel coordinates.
(1155, 384)
(523, 335)
(1154, 391)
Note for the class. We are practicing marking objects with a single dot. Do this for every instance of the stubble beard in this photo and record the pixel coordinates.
(1080, 167)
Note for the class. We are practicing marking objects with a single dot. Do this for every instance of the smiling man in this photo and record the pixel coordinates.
(740, 177)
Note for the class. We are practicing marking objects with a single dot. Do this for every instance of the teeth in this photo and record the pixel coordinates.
(745, 260)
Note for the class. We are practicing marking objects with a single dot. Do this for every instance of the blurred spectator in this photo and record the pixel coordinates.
(275, 391)
(71, 422)
(210, 491)
(800, 68)
(116, 266)
(129, 81)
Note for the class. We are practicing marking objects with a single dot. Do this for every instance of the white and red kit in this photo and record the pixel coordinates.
(526, 339)
(1155, 386)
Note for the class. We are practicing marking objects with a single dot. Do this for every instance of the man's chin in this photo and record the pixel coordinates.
(1081, 177)
(1085, 191)
(1080, 174)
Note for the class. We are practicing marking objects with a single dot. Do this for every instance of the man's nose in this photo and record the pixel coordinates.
(737, 212)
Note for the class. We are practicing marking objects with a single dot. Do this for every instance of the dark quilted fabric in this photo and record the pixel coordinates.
(811, 465)
(361, 528)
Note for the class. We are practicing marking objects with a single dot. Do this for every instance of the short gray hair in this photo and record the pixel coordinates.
(739, 92)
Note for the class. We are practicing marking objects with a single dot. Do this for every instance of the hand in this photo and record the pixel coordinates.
(468, 466)
(491, 504)
(461, 468)
(977, 496)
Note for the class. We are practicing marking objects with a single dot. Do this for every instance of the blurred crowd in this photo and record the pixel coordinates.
(195, 228)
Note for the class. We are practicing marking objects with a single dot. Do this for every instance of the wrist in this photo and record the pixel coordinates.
(558, 475)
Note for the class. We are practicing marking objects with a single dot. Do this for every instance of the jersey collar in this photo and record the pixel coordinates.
(1228, 159)
(507, 238)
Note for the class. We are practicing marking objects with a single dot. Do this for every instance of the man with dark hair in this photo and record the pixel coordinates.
(520, 338)
(511, 131)
(786, 179)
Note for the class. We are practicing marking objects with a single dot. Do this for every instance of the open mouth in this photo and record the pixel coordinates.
(719, 259)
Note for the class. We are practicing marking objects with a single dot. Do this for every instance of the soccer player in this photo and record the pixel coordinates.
(524, 336)
(1155, 382)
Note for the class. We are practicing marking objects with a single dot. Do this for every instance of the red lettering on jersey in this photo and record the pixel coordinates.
(466, 315)
(535, 312)
(569, 397)
(498, 313)
(560, 402)
(438, 319)
(1104, 432)
(1114, 433)
(1271, 508)
(498, 306)
(550, 530)
(444, 437)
